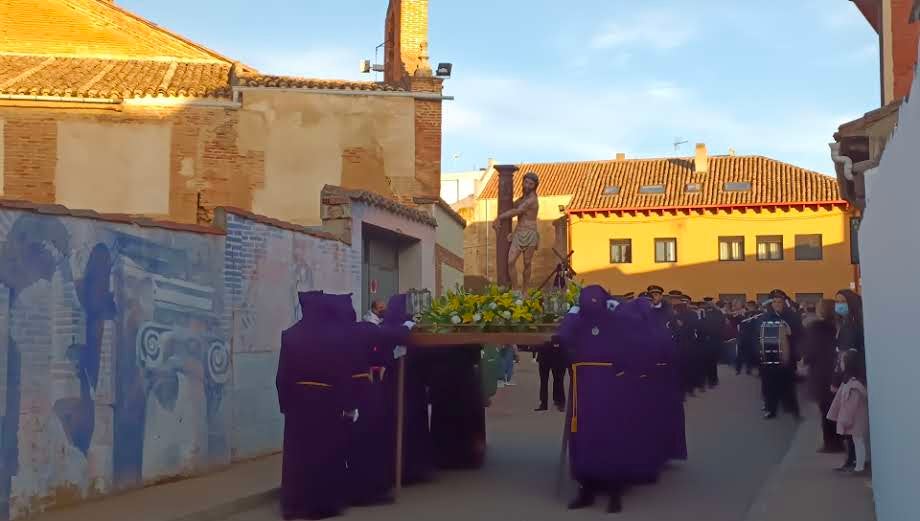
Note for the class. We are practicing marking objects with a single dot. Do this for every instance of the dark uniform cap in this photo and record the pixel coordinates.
(707, 299)
(675, 293)
(631, 294)
(655, 289)
(686, 298)
(778, 293)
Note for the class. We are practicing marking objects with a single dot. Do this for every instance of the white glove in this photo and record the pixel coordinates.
(355, 417)
(409, 324)
(574, 310)
(399, 352)
(612, 304)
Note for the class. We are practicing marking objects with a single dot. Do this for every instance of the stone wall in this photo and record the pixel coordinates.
(133, 351)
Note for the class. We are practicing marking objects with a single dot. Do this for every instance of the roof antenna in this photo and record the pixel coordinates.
(678, 142)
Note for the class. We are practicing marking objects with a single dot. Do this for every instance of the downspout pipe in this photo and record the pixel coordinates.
(845, 161)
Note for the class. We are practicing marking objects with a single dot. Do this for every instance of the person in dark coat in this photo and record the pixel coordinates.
(746, 357)
(712, 324)
(684, 327)
(779, 331)
(551, 360)
(819, 354)
(613, 438)
(314, 384)
(372, 442)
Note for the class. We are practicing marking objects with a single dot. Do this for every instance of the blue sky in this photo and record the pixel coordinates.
(543, 80)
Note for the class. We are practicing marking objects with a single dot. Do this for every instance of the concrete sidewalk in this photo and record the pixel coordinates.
(241, 487)
(804, 486)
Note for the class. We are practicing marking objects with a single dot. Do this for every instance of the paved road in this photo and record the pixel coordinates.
(732, 452)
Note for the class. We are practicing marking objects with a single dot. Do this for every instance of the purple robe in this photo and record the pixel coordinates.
(613, 433)
(372, 441)
(657, 349)
(418, 449)
(314, 384)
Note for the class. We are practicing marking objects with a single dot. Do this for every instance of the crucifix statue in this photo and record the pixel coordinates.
(525, 239)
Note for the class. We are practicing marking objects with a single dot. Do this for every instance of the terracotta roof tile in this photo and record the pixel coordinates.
(332, 193)
(113, 79)
(90, 29)
(292, 82)
(442, 204)
(772, 182)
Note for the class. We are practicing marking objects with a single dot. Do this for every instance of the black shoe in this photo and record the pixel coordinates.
(769, 415)
(541, 408)
(585, 499)
(615, 506)
(560, 407)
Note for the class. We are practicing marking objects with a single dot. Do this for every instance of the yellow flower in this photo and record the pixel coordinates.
(467, 318)
(488, 315)
(521, 313)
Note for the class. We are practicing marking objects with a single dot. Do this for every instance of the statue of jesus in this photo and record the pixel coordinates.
(525, 239)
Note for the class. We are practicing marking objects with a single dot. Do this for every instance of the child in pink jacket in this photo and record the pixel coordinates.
(850, 408)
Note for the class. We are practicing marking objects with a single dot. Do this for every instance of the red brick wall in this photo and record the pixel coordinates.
(428, 147)
(29, 158)
(904, 46)
(406, 35)
(208, 136)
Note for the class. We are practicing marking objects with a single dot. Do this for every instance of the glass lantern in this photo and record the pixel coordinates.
(424, 301)
(412, 308)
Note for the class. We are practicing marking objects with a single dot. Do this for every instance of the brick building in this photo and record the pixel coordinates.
(104, 110)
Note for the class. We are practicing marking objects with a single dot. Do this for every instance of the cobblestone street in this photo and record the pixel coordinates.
(732, 454)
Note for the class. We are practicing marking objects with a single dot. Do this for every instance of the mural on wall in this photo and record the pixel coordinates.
(114, 355)
(115, 368)
(264, 269)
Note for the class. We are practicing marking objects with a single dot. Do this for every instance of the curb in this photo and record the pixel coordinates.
(233, 507)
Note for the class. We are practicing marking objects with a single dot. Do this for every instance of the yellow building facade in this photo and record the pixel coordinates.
(722, 253)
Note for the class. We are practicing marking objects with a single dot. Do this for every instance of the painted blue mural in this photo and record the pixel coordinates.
(115, 355)
(116, 367)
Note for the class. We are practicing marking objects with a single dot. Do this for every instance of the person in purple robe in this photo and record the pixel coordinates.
(659, 344)
(612, 422)
(418, 446)
(314, 394)
(372, 441)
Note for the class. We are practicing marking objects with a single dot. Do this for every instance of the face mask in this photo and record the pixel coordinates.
(842, 309)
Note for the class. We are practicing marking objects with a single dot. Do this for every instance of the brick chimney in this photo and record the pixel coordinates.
(406, 49)
(406, 66)
(701, 161)
(621, 156)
